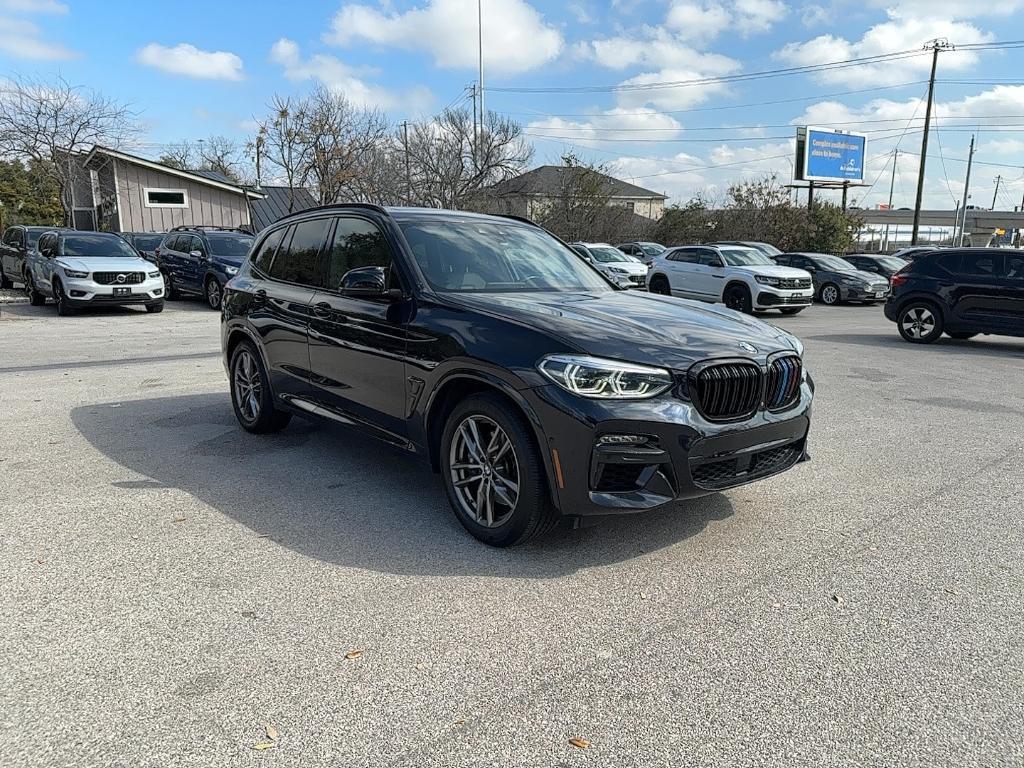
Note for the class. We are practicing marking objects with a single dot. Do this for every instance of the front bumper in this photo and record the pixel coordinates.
(768, 296)
(87, 291)
(683, 456)
(858, 293)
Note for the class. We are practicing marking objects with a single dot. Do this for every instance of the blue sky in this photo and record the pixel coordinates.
(193, 69)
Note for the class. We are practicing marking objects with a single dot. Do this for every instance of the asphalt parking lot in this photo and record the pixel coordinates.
(172, 584)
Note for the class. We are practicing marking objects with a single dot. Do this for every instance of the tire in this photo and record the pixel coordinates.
(214, 293)
(5, 282)
(35, 298)
(737, 297)
(919, 322)
(830, 295)
(249, 377)
(792, 310)
(660, 286)
(64, 307)
(960, 336)
(155, 307)
(170, 292)
(530, 513)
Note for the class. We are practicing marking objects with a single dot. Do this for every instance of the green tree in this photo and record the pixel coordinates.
(28, 194)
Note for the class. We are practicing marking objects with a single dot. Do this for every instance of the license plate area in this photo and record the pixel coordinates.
(122, 291)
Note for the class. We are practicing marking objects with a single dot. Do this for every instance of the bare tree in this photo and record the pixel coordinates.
(339, 138)
(182, 155)
(223, 155)
(283, 142)
(449, 165)
(582, 207)
(379, 174)
(54, 123)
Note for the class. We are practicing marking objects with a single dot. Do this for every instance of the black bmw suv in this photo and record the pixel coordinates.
(535, 386)
(960, 292)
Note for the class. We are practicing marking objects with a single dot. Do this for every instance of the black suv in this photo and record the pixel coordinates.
(962, 292)
(535, 386)
(200, 260)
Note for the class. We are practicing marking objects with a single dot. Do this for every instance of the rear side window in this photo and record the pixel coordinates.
(709, 257)
(263, 258)
(686, 255)
(981, 265)
(949, 262)
(1015, 267)
(300, 261)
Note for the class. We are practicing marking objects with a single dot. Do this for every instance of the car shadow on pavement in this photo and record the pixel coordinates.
(985, 346)
(330, 493)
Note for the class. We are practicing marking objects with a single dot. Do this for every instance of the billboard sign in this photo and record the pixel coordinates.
(830, 155)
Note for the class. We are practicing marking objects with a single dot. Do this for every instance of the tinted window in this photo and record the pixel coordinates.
(980, 264)
(1015, 267)
(171, 243)
(268, 248)
(605, 254)
(709, 258)
(949, 262)
(47, 241)
(745, 257)
(686, 255)
(230, 246)
(146, 242)
(300, 261)
(84, 245)
(357, 243)
(9, 237)
(191, 243)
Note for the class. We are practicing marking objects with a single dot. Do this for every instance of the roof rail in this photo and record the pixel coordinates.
(208, 228)
(335, 206)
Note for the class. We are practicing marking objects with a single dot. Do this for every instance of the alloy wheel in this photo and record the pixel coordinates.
(830, 294)
(484, 471)
(918, 322)
(213, 294)
(248, 386)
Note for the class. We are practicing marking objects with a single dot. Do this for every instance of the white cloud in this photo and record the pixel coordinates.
(897, 34)
(756, 16)
(656, 48)
(700, 21)
(680, 97)
(611, 125)
(516, 37)
(339, 76)
(189, 61)
(948, 9)
(24, 40)
(33, 6)
(816, 15)
(666, 175)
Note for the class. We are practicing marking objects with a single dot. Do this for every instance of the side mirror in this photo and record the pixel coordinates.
(196, 254)
(367, 282)
(810, 269)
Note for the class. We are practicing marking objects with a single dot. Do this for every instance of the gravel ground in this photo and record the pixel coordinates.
(172, 585)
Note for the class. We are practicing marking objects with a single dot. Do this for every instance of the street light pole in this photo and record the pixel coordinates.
(967, 194)
(892, 186)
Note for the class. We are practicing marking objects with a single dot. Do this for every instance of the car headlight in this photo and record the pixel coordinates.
(154, 274)
(618, 270)
(75, 273)
(766, 279)
(231, 270)
(604, 379)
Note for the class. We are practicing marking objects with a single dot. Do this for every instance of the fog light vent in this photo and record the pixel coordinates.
(622, 440)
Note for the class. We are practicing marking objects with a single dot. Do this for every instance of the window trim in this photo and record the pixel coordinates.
(321, 266)
(149, 204)
(394, 271)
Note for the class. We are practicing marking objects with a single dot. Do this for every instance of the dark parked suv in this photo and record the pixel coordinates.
(15, 245)
(200, 260)
(535, 386)
(960, 292)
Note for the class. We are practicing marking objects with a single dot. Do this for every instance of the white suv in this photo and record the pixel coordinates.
(620, 267)
(81, 269)
(742, 278)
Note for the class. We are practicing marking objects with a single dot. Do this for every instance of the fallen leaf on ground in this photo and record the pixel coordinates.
(249, 614)
(579, 743)
(353, 655)
(950, 591)
(264, 745)
(40, 562)
(460, 722)
(643, 595)
(271, 732)
(179, 520)
(837, 599)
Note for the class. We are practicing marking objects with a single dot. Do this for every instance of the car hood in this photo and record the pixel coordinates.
(867, 277)
(630, 267)
(769, 270)
(104, 263)
(636, 327)
(227, 261)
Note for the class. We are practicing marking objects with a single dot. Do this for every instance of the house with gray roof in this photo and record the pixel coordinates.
(536, 191)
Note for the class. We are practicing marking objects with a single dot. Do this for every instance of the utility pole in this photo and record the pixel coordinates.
(408, 175)
(1020, 232)
(996, 193)
(967, 193)
(480, 56)
(892, 186)
(472, 90)
(939, 44)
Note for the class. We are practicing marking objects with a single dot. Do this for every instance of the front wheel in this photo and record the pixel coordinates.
(660, 286)
(919, 322)
(250, 393)
(214, 293)
(829, 294)
(155, 307)
(64, 306)
(738, 297)
(170, 292)
(792, 310)
(493, 473)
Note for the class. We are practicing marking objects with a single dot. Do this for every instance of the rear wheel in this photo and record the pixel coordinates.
(660, 286)
(64, 306)
(738, 297)
(251, 397)
(829, 294)
(493, 473)
(35, 298)
(792, 310)
(919, 322)
(5, 282)
(214, 292)
(170, 292)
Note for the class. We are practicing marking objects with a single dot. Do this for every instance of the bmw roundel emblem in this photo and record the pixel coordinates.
(748, 347)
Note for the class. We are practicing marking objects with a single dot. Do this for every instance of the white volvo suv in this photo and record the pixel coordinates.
(81, 269)
(742, 278)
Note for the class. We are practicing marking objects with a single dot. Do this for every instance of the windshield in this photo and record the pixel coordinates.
(230, 246)
(496, 257)
(833, 263)
(651, 249)
(33, 237)
(768, 249)
(147, 242)
(745, 257)
(107, 246)
(607, 255)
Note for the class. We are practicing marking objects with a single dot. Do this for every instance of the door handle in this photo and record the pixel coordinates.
(322, 309)
(720, 277)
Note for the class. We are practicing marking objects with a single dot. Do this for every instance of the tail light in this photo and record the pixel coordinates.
(900, 277)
